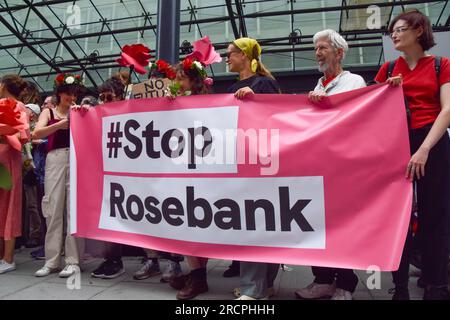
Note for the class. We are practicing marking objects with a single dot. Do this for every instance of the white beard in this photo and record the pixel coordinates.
(322, 68)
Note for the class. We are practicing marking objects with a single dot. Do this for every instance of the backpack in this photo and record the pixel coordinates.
(437, 68)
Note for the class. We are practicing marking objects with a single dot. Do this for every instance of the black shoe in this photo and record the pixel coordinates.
(100, 271)
(233, 270)
(113, 270)
(400, 293)
(436, 293)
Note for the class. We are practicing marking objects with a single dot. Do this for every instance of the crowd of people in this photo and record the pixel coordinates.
(36, 209)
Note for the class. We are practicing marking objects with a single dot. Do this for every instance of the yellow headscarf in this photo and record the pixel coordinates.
(247, 46)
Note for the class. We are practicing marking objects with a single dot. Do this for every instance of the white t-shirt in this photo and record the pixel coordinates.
(345, 81)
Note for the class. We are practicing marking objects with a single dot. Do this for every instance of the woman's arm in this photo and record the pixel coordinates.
(416, 165)
(43, 130)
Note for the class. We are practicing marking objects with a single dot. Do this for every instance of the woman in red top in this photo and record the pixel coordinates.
(428, 98)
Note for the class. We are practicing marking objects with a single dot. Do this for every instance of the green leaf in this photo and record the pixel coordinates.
(5, 178)
(174, 89)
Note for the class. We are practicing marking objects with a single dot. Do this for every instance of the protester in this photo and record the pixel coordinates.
(428, 100)
(89, 101)
(243, 57)
(11, 89)
(330, 51)
(39, 156)
(112, 267)
(49, 102)
(32, 222)
(54, 124)
(192, 78)
(112, 90)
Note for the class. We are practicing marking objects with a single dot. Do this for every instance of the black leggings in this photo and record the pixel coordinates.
(433, 206)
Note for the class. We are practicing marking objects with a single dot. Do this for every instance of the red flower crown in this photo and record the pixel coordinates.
(67, 79)
(162, 69)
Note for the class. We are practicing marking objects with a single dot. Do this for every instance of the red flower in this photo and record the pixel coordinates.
(171, 74)
(9, 116)
(136, 55)
(187, 64)
(162, 65)
(60, 78)
(78, 76)
(13, 118)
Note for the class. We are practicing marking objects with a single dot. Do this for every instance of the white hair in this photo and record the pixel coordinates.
(335, 38)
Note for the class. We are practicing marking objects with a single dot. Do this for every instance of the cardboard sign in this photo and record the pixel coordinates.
(152, 88)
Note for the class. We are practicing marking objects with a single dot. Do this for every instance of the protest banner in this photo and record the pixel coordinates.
(272, 178)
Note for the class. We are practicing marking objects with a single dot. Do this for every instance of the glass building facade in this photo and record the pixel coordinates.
(41, 38)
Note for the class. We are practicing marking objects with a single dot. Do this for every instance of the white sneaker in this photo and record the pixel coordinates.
(44, 271)
(269, 293)
(244, 297)
(342, 294)
(316, 291)
(69, 270)
(7, 267)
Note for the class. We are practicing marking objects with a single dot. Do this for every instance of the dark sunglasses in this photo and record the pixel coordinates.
(106, 96)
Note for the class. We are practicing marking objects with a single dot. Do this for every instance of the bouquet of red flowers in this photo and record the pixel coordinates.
(162, 69)
(13, 119)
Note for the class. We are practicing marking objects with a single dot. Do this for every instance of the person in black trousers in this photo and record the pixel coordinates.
(426, 85)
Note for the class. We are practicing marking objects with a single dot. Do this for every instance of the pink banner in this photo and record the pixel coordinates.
(273, 178)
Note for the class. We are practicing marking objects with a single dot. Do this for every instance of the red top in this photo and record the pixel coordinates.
(325, 82)
(420, 87)
(58, 139)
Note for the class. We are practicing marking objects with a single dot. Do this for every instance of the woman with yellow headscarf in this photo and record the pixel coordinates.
(244, 57)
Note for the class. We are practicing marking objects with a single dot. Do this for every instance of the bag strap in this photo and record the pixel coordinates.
(390, 69)
(437, 66)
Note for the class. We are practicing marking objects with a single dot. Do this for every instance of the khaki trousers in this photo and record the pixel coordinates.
(55, 203)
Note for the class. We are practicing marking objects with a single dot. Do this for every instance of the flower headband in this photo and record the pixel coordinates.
(67, 79)
(162, 69)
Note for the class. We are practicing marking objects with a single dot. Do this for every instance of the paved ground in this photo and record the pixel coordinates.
(22, 285)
